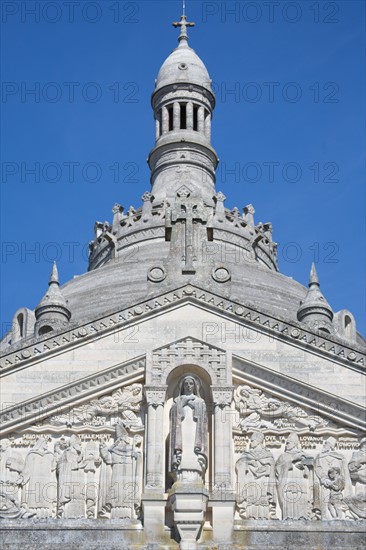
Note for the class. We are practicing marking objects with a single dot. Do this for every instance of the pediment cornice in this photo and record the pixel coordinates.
(247, 315)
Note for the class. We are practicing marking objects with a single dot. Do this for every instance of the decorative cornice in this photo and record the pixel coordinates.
(291, 333)
(55, 400)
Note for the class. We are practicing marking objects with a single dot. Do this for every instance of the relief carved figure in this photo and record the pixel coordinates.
(357, 469)
(259, 411)
(335, 484)
(119, 477)
(91, 462)
(326, 459)
(256, 480)
(71, 482)
(188, 456)
(292, 472)
(124, 404)
(128, 401)
(249, 403)
(39, 480)
(11, 466)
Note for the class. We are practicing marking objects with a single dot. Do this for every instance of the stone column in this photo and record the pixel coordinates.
(153, 498)
(157, 126)
(190, 115)
(165, 120)
(176, 116)
(222, 499)
(201, 119)
(208, 126)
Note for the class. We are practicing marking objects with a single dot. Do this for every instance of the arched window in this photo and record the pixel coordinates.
(20, 320)
(44, 330)
(348, 326)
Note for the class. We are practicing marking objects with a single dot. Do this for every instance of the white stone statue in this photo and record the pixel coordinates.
(256, 480)
(118, 478)
(188, 432)
(328, 458)
(292, 475)
(39, 480)
(71, 481)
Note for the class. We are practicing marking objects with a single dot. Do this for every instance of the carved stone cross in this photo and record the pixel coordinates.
(183, 24)
(188, 212)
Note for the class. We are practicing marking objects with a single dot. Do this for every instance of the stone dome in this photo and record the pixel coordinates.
(183, 66)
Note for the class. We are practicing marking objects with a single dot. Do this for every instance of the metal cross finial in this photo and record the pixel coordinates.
(183, 24)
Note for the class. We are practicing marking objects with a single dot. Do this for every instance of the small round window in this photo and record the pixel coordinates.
(183, 66)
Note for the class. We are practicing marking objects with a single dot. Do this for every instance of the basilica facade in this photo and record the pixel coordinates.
(194, 398)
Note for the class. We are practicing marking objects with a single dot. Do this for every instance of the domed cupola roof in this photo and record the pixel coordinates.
(183, 65)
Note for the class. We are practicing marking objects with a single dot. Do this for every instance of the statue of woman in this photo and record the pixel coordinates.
(188, 432)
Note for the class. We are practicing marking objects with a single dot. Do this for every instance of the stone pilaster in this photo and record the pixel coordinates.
(153, 500)
(222, 500)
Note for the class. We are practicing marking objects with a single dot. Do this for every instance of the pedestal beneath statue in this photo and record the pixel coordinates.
(188, 502)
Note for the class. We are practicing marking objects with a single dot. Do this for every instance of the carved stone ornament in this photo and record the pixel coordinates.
(188, 350)
(222, 396)
(155, 395)
(221, 274)
(156, 274)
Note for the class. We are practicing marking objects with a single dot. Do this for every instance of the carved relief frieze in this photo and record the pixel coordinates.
(123, 405)
(293, 464)
(294, 477)
(84, 463)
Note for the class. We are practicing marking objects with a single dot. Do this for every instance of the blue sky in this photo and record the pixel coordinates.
(288, 128)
